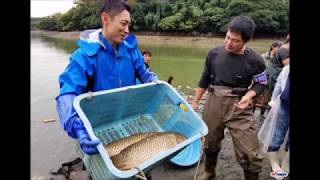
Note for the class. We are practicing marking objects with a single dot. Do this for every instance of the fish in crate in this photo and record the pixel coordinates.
(129, 152)
(140, 127)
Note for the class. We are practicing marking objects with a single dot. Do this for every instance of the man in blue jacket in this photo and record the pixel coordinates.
(108, 59)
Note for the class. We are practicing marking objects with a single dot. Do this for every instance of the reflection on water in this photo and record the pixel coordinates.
(50, 146)
(68, 46)
(184, 63)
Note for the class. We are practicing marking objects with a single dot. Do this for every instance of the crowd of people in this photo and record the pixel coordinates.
(275, 128)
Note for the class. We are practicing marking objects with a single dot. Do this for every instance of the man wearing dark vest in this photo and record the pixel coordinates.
(233, 74)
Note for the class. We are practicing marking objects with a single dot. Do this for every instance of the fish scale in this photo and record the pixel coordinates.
(146, 148)
(116, 146)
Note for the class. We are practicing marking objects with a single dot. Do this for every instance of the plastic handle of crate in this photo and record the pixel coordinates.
(86, 160)
(128, 88)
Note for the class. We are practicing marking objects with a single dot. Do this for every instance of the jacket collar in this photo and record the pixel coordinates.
(91, 47)
(119, 51)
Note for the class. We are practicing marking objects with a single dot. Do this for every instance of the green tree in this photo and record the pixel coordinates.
(170, 23)
(270, 16)
(137, 18)
(48, 24)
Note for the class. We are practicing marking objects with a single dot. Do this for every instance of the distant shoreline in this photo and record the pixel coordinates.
(146, 39)
(73, 35)
(207, 42)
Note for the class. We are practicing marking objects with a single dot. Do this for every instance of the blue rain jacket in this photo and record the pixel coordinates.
(96, 66)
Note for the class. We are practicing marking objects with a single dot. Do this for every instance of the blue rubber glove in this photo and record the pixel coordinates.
(148, 76)
(71, 123)
(87, 145)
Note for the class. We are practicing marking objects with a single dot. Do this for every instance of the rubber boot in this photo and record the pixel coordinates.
(149, 177)
(210, 166)
(206, 176)
(251, 176)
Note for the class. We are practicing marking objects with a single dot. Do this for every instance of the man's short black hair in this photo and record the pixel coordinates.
(114, 7)
(243, 25)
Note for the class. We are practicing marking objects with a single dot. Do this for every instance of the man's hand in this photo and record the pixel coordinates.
(245, 100)
(198, 94)
(243, 103)
(87, 145)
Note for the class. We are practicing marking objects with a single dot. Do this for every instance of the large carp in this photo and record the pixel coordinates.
(145, 149)
(116, 146)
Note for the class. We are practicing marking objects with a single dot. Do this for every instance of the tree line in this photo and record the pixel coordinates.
(184, 16)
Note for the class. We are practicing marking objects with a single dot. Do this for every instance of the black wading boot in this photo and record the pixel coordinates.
(210, 166)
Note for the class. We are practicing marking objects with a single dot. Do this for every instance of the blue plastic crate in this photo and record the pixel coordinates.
(113, 114)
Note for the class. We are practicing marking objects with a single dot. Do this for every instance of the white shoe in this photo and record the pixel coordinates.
(279, 174)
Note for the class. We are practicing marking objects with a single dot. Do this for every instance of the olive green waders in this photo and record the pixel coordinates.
(220, 112)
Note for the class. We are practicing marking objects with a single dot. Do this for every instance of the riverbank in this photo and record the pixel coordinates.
(147, 39)
(56, 34)
(260, 45)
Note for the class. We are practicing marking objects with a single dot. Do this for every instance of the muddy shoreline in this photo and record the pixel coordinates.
(154, 38)
(147, 39)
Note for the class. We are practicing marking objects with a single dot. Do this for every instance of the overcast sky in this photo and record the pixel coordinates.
(41, 8)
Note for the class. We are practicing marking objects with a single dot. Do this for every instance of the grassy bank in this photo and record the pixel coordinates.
(260, 45)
